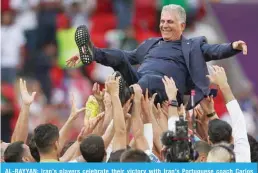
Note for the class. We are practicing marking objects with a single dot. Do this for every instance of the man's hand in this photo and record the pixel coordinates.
(127, 106)
(90, 124)
(74, 110)
(112, 85)
(21, 129)
(200, 113)
(73, 61)
(165, 107)
(218, 76)
(207, 105)
(163, 119)
(27, 99)
(181, 110)
(107, 99)
(240, 45)
(97, 93)
(152, 107)
(137, 92)
(170, 87)
(80, 137)
(146, 107)
(145, 103)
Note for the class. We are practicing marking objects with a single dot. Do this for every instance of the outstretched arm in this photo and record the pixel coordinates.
(222, 51)
(64, 131)
(22, 126)
(239, 132)
(119, 140)
(137, 124)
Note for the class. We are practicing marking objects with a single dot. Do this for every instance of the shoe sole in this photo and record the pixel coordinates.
(82, 39)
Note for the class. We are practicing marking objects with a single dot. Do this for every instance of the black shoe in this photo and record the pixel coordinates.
(125, 91)
(85, 46)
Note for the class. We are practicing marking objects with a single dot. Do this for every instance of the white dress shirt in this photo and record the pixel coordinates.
(241, 144)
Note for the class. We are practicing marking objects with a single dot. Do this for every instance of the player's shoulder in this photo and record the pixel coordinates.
(198, 39)
(152, 39)
(155, 38)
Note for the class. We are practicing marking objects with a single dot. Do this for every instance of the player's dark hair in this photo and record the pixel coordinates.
(253, 148)
(134, 155)
(219, 131)
(45, 136)
(34, 150)
(93, 149)
(14, 152)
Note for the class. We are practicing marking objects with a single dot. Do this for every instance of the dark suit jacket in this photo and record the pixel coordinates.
(196, 53)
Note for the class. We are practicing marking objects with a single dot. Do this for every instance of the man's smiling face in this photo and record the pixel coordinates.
(171, 27)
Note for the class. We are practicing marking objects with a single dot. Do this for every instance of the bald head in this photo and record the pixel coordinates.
(221, 153)
(202, 147)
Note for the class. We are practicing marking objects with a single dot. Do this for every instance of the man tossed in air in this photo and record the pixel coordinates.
(171, 55)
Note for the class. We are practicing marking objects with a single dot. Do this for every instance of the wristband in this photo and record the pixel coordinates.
(211, 114)
(173, 103)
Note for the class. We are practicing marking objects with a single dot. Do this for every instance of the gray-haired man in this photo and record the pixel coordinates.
(172, 55)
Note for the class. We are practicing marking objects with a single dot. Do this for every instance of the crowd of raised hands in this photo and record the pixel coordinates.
(138, 124)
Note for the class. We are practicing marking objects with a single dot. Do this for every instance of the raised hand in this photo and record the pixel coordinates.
(90, 124)
(240, 45)
(181, 110)
(127, 106)
(152, 106)
(170, 87)
(146, 107)
(218, 76)
(97, 93)
(112, 85)
(137, 92)
(207, 105)
(201, 114)
(27, 99)
(165, 106)
(163, 119)
(145, 104)
(73, 61)
(202, 123)
(74, 110)
(80, 137)
(107, 99)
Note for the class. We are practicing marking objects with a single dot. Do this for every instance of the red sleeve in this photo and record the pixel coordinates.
(219, 104)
